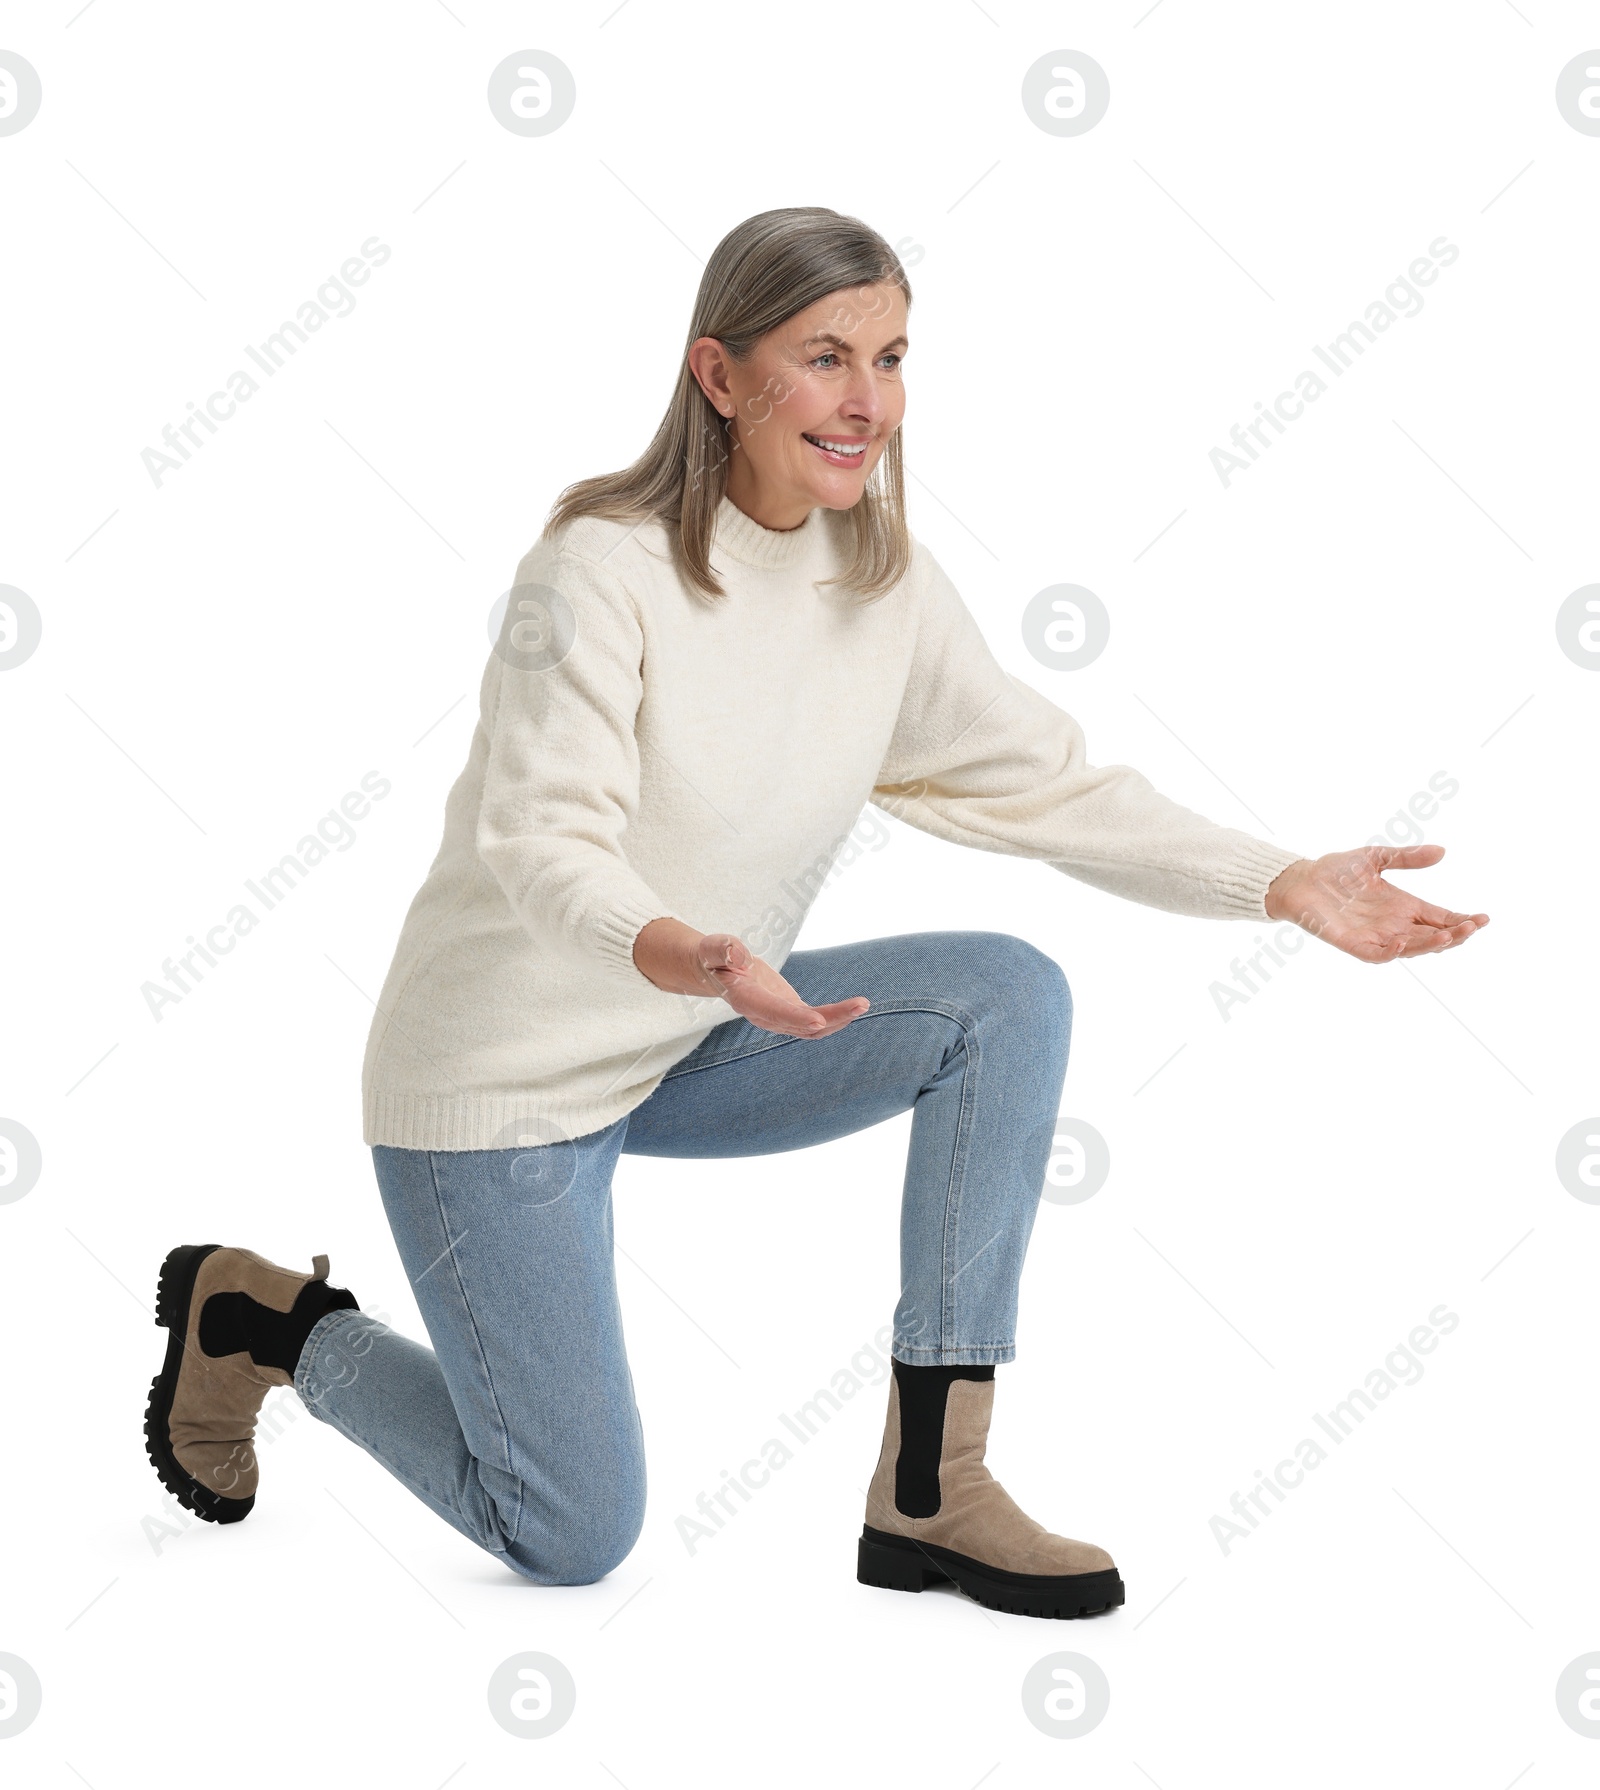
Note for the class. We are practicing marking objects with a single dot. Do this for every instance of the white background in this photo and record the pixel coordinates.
(1292, 1189)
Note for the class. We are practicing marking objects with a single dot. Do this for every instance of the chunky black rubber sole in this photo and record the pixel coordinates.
(174, 1290)
(897, 1563)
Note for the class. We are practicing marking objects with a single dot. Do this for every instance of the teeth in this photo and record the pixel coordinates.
(837, 447)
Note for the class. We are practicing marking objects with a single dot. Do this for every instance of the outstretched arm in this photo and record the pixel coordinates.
(982, 759)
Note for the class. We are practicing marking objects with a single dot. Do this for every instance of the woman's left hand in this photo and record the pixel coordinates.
(1343, 900)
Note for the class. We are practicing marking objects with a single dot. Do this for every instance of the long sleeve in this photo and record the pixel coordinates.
(562, 781)
(981, 759)
(640, 753)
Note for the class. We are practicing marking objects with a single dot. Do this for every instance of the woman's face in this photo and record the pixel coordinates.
(829, 376)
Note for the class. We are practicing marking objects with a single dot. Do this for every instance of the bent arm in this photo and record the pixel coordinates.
(562, 783)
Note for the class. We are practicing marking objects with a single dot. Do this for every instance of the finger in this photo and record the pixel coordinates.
(1409, 857)
(1442, 916)
(1438, 916)
(838, 1014)
(797, 1020)
(776, 1012)
(1457, 934)
(841, 1011)
(811, 1026)
(1436, 938)
(725, 951)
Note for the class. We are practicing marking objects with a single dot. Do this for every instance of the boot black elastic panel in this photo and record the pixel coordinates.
(923, 1391)
(230, 1322)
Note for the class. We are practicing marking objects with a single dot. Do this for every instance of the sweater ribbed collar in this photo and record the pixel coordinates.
(742, 538)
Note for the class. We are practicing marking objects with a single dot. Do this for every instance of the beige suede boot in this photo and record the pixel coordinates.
(934, 1512)
(236, 1324)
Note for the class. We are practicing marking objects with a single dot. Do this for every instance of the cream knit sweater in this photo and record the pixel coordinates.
(641, 750)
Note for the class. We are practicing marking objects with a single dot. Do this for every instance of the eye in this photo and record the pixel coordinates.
(832, 354)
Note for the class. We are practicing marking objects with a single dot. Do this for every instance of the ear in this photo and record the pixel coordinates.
(709, 364)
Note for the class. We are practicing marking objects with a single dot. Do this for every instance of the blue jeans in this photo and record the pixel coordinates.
(519, 1427)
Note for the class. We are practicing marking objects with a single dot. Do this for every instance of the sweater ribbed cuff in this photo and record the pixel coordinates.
(1242, 888)
(618, 926)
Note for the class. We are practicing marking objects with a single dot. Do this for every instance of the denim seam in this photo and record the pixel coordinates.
(768, 1041)
(483, 1359)
(948, 1325)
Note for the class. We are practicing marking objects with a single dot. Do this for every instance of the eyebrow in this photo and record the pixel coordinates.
(841, 343)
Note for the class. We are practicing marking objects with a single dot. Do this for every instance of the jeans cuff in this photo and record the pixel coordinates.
(305, 1380)
(969, 1355)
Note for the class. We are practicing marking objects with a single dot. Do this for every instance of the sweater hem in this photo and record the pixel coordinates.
(491, 1121)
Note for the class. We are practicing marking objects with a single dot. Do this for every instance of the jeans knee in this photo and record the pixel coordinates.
(605, 1543)
(1023, 975)
(593, 1539)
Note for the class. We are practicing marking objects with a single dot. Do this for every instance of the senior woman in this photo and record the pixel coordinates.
(708, 663)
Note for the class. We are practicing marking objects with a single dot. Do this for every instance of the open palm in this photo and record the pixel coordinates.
(756, 990)
(1343, 899)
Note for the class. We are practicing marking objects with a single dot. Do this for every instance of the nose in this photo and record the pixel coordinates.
(864, 401)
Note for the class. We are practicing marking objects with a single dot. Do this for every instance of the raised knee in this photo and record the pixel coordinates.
(1020, 969)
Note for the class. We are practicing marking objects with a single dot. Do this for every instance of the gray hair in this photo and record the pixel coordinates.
(763, 272)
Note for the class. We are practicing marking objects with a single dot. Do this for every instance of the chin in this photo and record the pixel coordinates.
(841, 493)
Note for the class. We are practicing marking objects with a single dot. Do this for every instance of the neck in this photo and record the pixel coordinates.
(772, 509)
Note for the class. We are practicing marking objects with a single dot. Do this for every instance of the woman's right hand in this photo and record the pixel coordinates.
(682, 961)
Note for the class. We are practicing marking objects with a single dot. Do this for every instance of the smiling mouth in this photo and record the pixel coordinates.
(840, 451)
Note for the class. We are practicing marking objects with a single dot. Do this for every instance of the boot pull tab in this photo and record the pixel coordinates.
(319, 1267)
